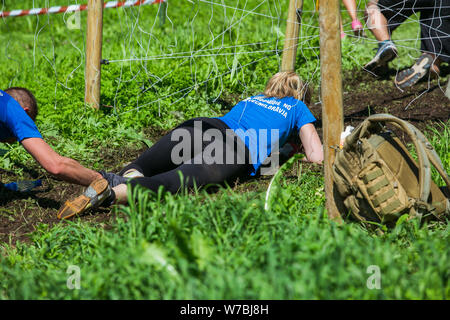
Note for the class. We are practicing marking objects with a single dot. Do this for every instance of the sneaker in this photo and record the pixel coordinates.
(387, 52)
(97, 192)
(132, 173)
(409, 77)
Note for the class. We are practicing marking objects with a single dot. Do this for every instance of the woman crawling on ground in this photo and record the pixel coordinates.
(204, 151)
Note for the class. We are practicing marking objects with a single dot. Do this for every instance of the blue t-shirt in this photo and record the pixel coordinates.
(14, 121)
(264, 123)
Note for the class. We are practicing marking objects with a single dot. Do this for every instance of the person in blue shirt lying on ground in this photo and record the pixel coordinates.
(214, 150)
(18, 111)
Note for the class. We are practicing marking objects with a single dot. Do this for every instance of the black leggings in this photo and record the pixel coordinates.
(159, 168)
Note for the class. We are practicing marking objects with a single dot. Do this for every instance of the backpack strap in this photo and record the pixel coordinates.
(429, 150)
(433, 156)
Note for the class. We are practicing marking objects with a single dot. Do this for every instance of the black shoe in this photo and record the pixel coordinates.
(113, 179)
(409, 77)
(387, 52)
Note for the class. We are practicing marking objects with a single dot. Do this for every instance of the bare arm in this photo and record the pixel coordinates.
(351, 8)
(312, 144)
(64, 168)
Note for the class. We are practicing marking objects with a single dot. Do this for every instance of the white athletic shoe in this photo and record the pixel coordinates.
(132, 173)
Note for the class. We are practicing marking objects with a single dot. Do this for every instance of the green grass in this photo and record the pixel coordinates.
(196, 246)
(201, 247)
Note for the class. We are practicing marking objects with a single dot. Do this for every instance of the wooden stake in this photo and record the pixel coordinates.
(291, 39)
(93, 52)
(331, 89)
(447, 91)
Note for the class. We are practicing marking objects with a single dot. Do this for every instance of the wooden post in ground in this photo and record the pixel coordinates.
(291, 39)
(93, 52)
(447, 91)
(331, 91)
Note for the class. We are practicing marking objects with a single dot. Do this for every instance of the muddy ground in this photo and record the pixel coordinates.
(424, 105)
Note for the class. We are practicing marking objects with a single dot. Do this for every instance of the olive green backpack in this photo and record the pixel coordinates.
(377, 180)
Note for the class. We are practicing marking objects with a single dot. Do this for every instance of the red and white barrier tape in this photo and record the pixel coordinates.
(75, 7)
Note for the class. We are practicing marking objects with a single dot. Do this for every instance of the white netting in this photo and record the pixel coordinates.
(216, 46)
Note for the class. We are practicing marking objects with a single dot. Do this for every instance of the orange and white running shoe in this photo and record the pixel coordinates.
(92, 197)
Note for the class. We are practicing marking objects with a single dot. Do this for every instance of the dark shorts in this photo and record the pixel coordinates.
(434, 22)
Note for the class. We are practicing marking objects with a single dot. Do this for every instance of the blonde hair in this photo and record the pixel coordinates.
(288, 84)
